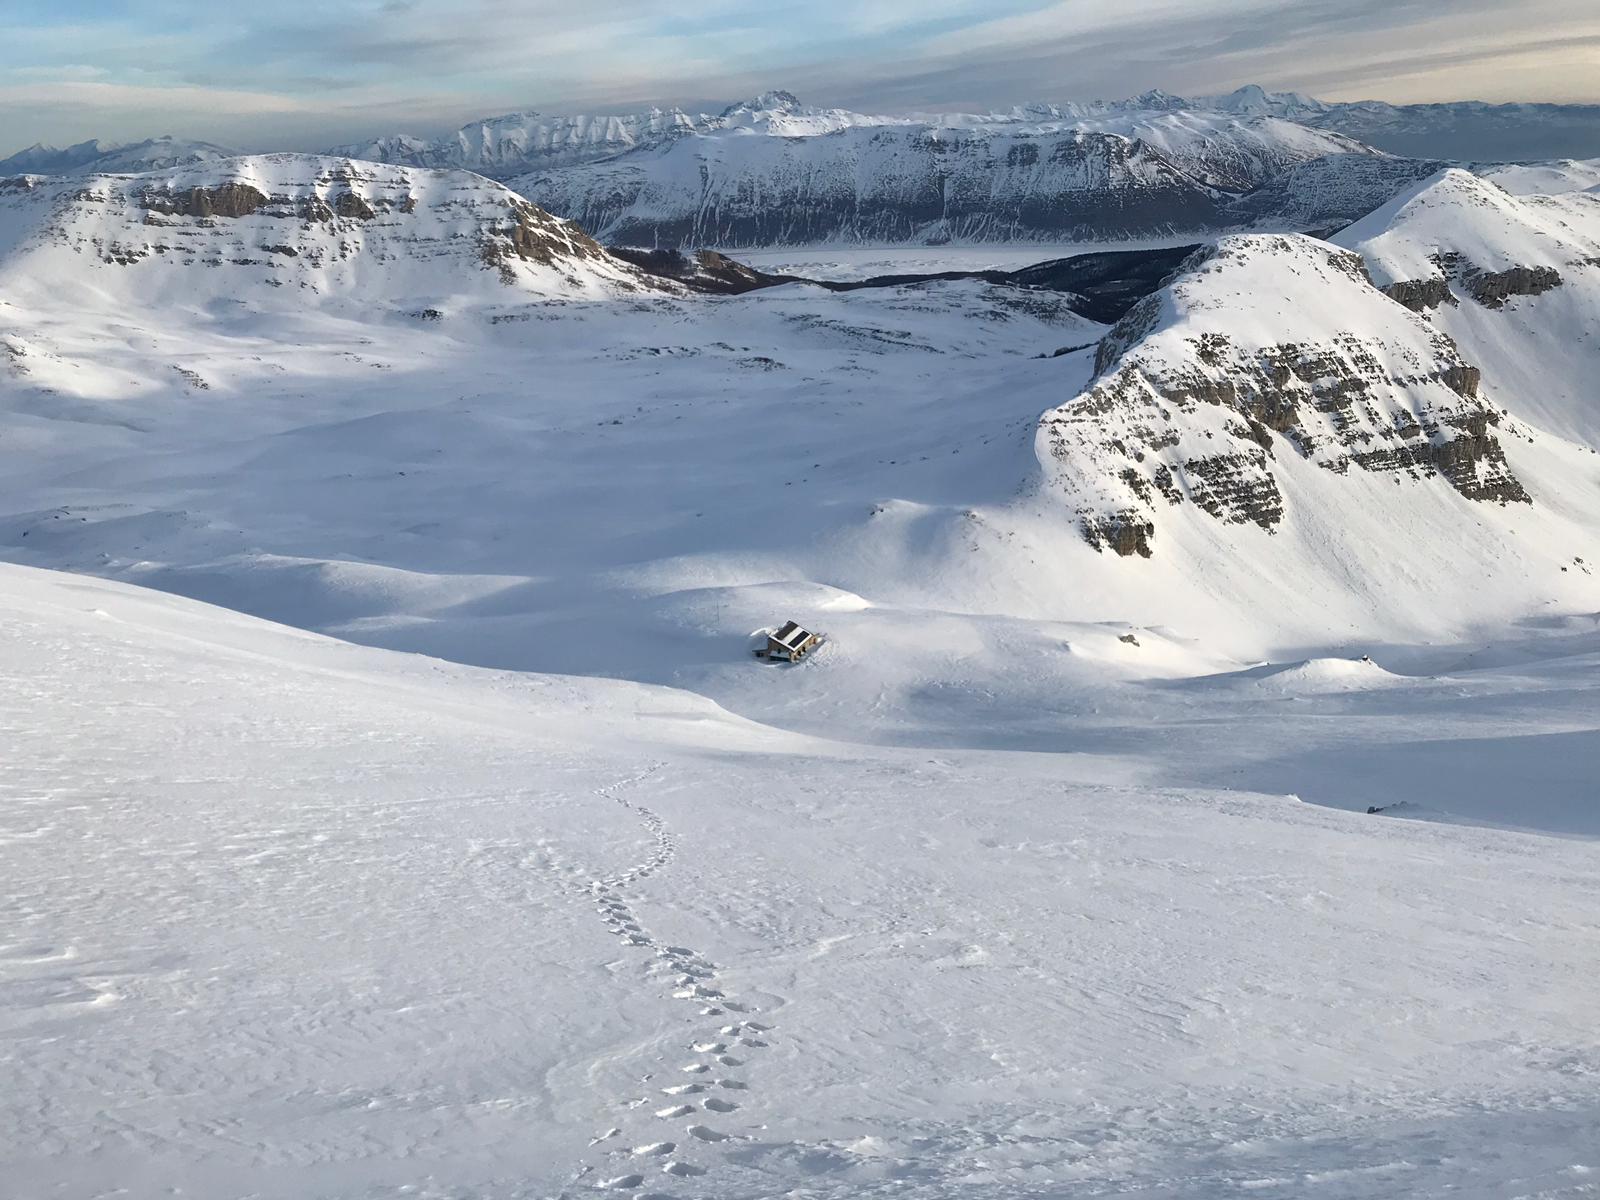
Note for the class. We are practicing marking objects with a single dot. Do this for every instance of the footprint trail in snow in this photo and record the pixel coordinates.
(676, 1138)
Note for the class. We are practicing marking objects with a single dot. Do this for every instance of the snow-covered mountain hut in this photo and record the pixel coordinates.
(790, 643)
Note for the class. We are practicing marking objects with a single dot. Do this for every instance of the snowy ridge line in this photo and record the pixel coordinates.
(634, 1147)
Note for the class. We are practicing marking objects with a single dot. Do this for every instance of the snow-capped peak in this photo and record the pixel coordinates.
(775, 101)
(1254, 100)
(1156, 99)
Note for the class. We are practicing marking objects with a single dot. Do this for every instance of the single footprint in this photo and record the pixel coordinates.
(706, 1134)
(733, 1007)
(729, 1060)
(754, 1027)
(709, 1047)
(721, 1106)
(755, 1043)
(733, 1085)
(608, 1134)
(622, 1181)
(711, 1011)
(655, 1148)
(696, 1068)
(677, 1110)
(683, 1168)
(683, 1089)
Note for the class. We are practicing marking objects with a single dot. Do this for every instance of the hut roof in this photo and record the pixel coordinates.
(791, 635)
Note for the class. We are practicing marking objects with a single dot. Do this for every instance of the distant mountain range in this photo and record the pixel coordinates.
(515, 143)
(113, 158)
(774, 171)
(1462, 131)
(1467, 130)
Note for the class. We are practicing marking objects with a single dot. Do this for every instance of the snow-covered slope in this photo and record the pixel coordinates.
(296, 920)
(272, 230)
(1514, 280)
(1223, 150)
(1324, 193)
(1270, 355)
(828, 179)
(1545, 179)
(772, 170)
(903, 184)
(1052, 872)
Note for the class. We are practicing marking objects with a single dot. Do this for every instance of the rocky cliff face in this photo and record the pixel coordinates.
(1268, 355)
(775, 173)
(898, 185)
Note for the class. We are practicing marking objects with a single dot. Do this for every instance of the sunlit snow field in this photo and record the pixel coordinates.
(1050, 874)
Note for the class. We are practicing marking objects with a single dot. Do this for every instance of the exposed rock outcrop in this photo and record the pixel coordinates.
(231, 199)
(1190, 405)
(1421, 295)
(529, 234)
(1493, 288)
(321, 225)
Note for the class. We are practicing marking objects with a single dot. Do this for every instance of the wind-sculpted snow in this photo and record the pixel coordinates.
(397, 237)
(1269, 354)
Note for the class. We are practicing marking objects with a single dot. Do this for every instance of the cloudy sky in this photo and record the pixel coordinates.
(305, 73)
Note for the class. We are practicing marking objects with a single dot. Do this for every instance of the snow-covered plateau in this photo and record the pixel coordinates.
(1194, 796)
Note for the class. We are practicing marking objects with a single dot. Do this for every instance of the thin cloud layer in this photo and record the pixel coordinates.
(301, 72)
